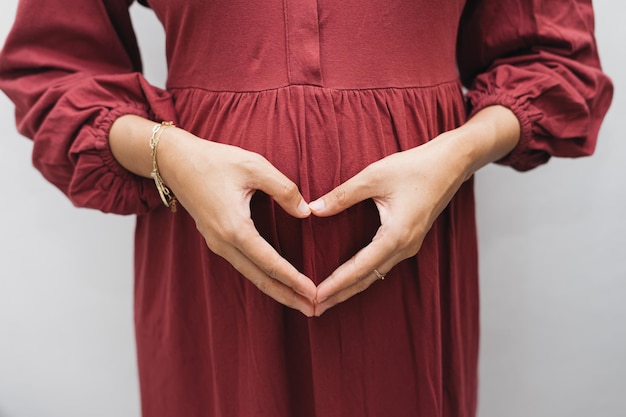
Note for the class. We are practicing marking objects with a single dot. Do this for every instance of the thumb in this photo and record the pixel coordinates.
(284, 191)
(351, 192)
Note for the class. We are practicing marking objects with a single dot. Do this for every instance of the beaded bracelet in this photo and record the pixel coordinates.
(168, 198)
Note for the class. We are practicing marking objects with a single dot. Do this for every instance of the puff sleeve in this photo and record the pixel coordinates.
(72, 67)
(539, 58)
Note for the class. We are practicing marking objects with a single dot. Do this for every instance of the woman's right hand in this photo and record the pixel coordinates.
(215, 182)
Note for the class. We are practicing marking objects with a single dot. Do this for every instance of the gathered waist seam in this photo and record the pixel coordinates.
(455, 81)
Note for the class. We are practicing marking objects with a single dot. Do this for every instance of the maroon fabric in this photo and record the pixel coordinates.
(321, 88)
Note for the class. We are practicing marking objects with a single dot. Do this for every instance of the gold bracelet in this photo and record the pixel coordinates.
(168, 198)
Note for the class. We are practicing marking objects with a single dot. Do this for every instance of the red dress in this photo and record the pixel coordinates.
(321, 89)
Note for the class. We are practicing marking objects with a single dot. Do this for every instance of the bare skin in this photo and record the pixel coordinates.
(410, 189)
(221, 206)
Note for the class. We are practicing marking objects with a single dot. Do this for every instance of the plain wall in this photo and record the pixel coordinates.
(553, 264)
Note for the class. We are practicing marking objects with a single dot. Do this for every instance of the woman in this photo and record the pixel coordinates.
(318, 146)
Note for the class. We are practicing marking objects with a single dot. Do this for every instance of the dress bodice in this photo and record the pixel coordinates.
(252, 46)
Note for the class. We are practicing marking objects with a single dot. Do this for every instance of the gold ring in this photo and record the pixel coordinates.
(379, 275)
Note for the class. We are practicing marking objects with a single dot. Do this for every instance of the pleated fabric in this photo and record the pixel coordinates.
(384, 352)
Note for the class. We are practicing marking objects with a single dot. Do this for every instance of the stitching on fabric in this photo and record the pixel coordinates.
(455, 81)
(287, 49)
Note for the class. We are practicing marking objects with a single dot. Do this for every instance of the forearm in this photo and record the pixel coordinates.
(487, 137)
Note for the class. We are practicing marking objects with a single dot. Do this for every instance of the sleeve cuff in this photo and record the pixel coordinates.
(144, 187)
(515, 158)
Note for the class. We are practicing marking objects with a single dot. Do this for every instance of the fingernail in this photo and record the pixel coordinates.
(303, 208)
(317, 205)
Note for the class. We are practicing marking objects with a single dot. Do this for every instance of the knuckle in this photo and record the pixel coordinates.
(414, 247)
(339, 194)
(271, 271)
(239, 232)
(288, 189)
(210, 238)
(230, 234)
(361, 286)
(215, 233)
(408, 243)
(202, 228)
(262, 285)
(403, 238)
(238, 264)
(214, 246)
(255, 159)
(273, 266)
(252, 163)
(291, 300)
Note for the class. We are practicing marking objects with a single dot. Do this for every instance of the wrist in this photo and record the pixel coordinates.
(128, 140)
(168, 198)
(174, 153)
(488, 136)
(151, 150)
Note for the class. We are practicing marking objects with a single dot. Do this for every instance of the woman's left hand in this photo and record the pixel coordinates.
(410, 189)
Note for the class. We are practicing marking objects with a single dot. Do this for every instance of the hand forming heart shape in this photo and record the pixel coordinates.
(410, 189)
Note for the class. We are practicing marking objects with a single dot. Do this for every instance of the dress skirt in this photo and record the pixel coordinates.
(212, 344)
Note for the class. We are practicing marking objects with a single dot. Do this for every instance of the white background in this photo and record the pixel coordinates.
(553, 263)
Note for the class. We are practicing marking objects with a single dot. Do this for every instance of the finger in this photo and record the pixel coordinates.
(381, 250)
(355, 190)
(284, 191)
(351, 291)
(266, 284)
(265, 257)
